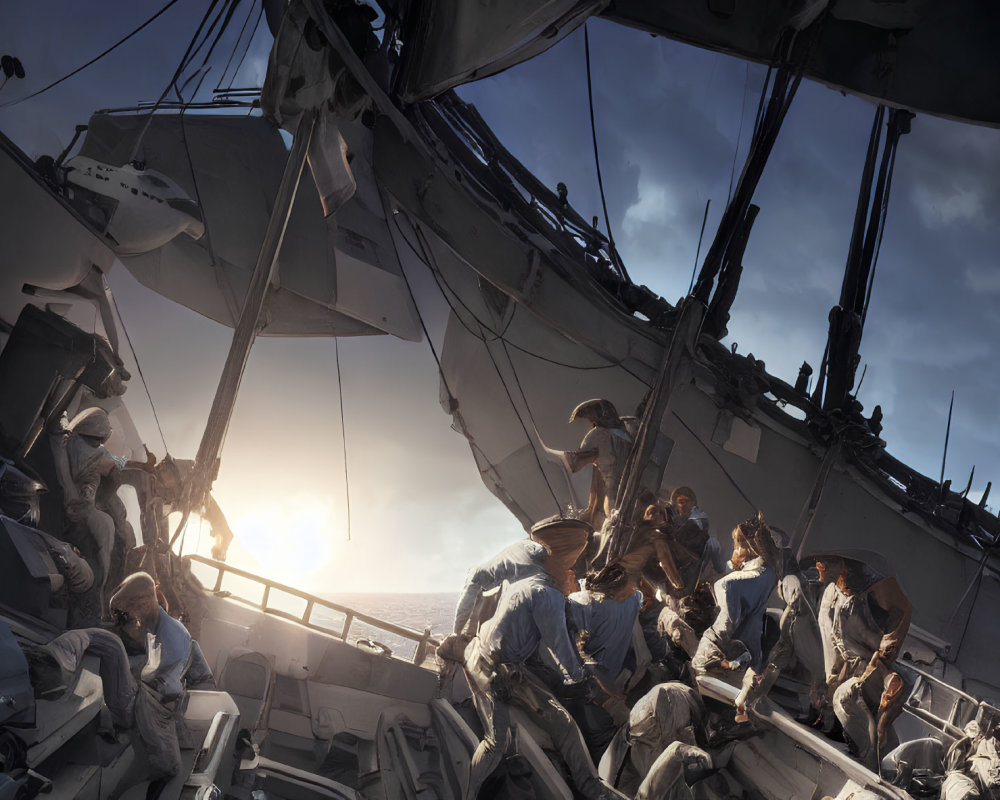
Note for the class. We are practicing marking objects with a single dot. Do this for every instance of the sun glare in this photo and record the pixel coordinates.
(292, 540)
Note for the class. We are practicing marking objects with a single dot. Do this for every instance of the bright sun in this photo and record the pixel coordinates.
(291, 540)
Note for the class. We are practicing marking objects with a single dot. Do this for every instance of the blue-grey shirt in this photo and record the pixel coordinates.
(530, 618)
(608, 624)
(523, 558)
(742, 597)
(179, 653)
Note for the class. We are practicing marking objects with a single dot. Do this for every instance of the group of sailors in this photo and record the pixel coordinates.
(147, 658)
(597, 650)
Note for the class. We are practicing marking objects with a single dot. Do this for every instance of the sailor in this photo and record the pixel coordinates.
(530, 619)
(602, 619)
(523, 558)
(650, 562)
(19, 502)
(972, 765)
(606, 445)
(667, 738)
(82, 462)
(696, 553)
(799, 641)
(649, 555)
(734, 640)
(167, 661)
(146, 665)
(863, 618)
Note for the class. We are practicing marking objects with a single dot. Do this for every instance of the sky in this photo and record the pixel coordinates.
(670, 121)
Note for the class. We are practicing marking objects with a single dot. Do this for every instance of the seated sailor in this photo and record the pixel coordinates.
(971, 765)
(799, 643)
(530, 619)
(602, 619)
(863, 619)
(146, 665)
(668, 743)
(84, 464)
(734, 640)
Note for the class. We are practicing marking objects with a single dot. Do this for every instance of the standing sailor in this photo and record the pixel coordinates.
(520, 560)
(530, 619)
(799, 641)
(863, 618)
(606, 445)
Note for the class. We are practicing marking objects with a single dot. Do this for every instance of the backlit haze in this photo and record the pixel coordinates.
(669, 121)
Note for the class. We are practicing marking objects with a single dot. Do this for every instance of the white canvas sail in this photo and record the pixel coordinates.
(336, 277)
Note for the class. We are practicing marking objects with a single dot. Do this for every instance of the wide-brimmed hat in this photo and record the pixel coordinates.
(603, 410)
(855, 559)
(565, 540)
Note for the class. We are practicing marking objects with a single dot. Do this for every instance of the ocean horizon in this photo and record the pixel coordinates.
(417, 611)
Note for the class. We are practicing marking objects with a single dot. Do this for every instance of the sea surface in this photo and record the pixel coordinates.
(416, 612)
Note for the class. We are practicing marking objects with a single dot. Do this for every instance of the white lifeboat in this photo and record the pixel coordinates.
(149, 208)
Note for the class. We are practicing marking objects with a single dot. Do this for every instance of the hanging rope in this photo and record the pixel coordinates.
(189, 54)
(615, 258)
(343, 433)
(138, 367)
(236, 46)
(94, 60)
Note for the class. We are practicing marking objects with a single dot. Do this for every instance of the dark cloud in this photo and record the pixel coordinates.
(667, 119)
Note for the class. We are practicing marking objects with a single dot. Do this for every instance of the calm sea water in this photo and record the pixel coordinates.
(414, 611)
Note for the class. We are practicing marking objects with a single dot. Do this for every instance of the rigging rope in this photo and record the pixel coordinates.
(135, 357)
(708, 450)
(172, 83)
(222, 29)
(246, 50)
(615, 258)
(194, 180)
(236, 46)
(739, 132)
(425, 258)
(343, 433)
(440, 279)
(94, 60)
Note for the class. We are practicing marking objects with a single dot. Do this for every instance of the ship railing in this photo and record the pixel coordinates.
(947, 708)
(423, 640)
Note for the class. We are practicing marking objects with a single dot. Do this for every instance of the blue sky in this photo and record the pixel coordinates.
(670, 119)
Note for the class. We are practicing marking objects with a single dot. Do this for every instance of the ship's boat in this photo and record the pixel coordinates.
(208, 210)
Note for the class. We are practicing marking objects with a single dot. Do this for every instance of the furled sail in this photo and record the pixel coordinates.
(337, 276)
